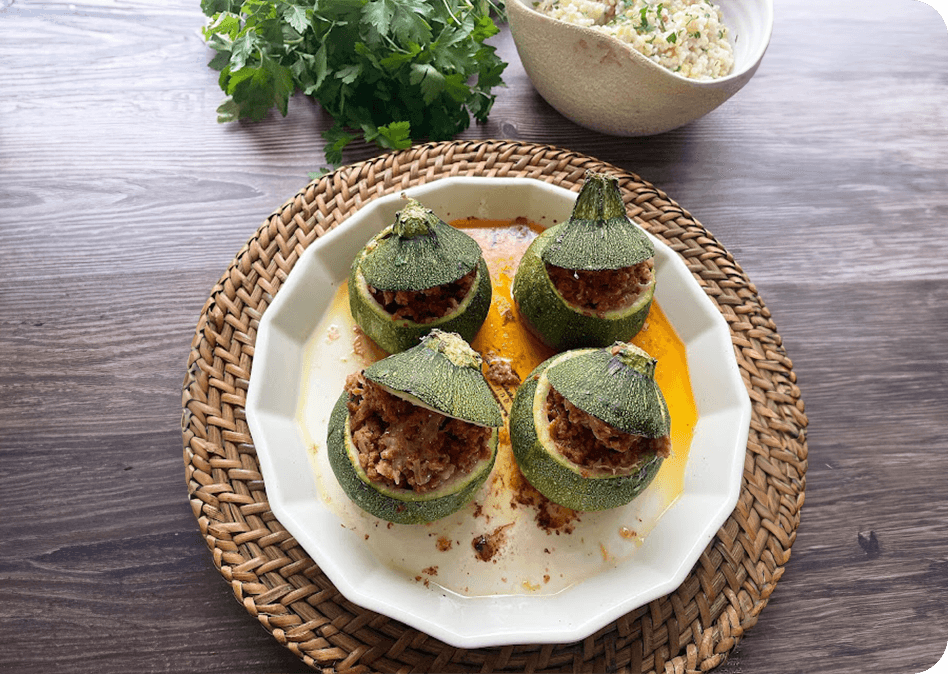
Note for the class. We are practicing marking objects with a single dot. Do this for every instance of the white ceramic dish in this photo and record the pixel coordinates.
(288, 403)
(605, 85)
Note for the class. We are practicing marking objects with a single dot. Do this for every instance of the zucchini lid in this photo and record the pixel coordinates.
(443, 373)
(599, 233)
(418, 251)
(616, 385)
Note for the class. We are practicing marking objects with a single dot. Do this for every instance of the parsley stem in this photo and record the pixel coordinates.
(450, 13)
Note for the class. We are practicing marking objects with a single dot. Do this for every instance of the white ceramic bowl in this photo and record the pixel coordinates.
(303, 353)
(603, 84)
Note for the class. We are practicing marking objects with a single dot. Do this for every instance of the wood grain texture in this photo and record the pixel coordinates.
(122, 201)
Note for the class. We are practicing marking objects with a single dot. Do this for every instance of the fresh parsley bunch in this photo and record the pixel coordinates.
(392, 70)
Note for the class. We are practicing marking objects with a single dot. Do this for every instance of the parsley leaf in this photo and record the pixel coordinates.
(394, 136)
(392, 71)
(297, 17)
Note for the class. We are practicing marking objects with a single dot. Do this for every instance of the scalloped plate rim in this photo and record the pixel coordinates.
(502, 619)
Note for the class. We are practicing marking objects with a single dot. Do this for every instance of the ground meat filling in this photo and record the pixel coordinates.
(605, 290)
(594, 444)
(406, 446)
(425, 306)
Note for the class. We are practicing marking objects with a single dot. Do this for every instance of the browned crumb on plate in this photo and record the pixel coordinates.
(500, 372)
(550, 517)
(364, 348)
(486, 546)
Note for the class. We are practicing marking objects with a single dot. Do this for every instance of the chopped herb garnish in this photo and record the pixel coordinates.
(644, 25)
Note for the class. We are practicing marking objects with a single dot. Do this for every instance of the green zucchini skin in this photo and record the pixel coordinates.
(553, 475)
(599, 233)
(398, 506)
(418, 251)
(393, 335)
(617, 388)
(442, 373)
(560, 325)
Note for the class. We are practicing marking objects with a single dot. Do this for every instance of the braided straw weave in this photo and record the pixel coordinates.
(692, 629)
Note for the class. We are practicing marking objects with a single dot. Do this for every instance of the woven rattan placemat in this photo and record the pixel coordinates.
(691, 629)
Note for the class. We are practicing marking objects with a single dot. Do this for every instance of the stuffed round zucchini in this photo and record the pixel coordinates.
(588, 281)
(415, 275)
(590, 427)
(414, 436)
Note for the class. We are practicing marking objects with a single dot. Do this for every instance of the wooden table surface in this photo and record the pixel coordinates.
(122, 201)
